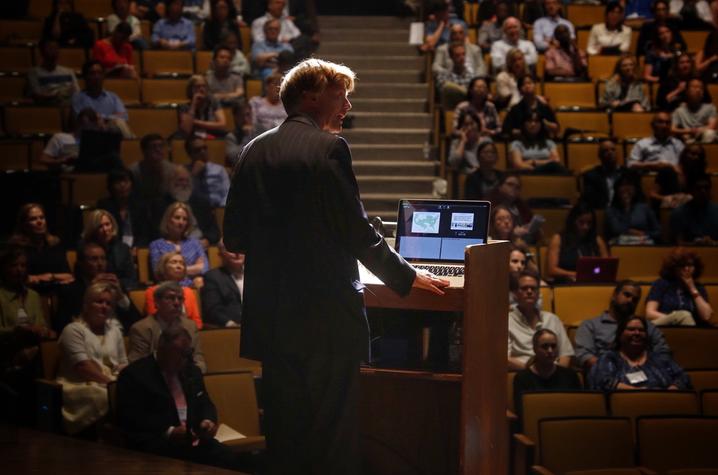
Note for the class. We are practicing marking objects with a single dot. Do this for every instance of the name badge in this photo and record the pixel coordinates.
(637, 377)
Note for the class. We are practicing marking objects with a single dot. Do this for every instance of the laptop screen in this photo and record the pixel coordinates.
(439, 230)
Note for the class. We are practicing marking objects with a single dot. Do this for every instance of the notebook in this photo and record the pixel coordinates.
(596, 269)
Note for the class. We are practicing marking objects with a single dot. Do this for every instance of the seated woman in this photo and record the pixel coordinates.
(630, 365)
(268, 111)
(203, 116)
(611, 36)
(542, 373)
(463, 155)
(502, 224)
(171, 267)
(670, 188)
(175, 228)
(92, 354)
(530, 103)
(629, 219)
(121, 14)
(672, 89)
(624, 91)
(115, 53)
(47, 264)
(648, 32)
(508, 194)
(486, 177)
(507, 89)
(578, 239)
(707, 57)
(533, 150)
(563, 58)
(677, 298)
(477, 99)
(661, 56)
(67, 26)
(222, 20)
(101, 228)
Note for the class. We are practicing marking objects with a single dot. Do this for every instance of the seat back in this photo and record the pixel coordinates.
(595, 443)
(164, 91)
(138, 300)
(510, 375)
(50, 358)
(601, 66)
(693, 348)
(84, 189)
(14, 154)
(130, 152)
(202, 61)
(576, 303)
(694, 40)
(542, 405)
(126, 89)
(21, 120)
(147, 120)
(143, 265)
(709, 403)
(593, 122)
(221, 351)
(21, 31)
(634, 404)
(631, 124)
(583, 14)
(570, 94)
(162, 62)
(15, 58)
(12, 88)
(234, 396)
(555, 219)
(549, 186)
(667, 443)
(641, 263)
(703, 380)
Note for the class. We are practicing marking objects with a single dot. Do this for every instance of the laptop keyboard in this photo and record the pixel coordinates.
(442, 271)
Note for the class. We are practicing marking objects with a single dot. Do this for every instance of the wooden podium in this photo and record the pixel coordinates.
(420, 422)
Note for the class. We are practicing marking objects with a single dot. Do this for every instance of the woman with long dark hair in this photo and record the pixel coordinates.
(478, 99)
(533, 150)
(672, 89)
(67, 26)
(221, 22)
(662, 56)
(629, 219)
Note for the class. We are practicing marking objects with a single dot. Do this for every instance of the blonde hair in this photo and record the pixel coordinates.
(313, 75)
(164, 224)
(93, 291)
(92, 224)
(162, 264)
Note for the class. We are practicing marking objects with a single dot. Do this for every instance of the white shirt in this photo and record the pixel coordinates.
(501, 47)
(239, 280)
(521, 335)
(287, 32)
(601, 37)
(702, 7)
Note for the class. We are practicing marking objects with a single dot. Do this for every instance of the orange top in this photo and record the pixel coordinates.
(190, 304)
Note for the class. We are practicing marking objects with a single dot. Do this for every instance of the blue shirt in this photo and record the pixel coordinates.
(639, 8)
(213, 183)
(107, 104)
(431, 27)
(183, 30)
(660, 370)
(261, 47)
(671, 296)
(640, 216)
(690, 222)
(544, 28)
(191, 250)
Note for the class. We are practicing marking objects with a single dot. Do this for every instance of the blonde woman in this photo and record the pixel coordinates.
(101, 229)
(171, 267)
(507, 90)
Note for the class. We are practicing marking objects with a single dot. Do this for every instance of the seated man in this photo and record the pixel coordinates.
(50, 82)
(226, 86)
(598, 181)
(695, 120)
(473, 57)
(164, 408)
(209, 179)
(153, 174)
(544, 27)
(174, 32)
(437, 29)
(222, 290)
(288, 31)
(145, 334)
(271, 54)
(696, 222)
(658, 151)
(511, 40)
(453, 83)
(597, 335)
(525, 318)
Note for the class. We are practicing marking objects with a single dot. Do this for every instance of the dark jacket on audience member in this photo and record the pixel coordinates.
(221, 300)
(143, 231)
(595, 190)
(563, 379)
(517, 115)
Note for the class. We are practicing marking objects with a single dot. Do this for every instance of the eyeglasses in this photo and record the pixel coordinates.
(173, 298)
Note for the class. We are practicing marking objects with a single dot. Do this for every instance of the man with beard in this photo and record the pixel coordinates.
(596, 336)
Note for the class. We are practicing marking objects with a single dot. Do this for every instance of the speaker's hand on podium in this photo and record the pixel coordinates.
(428, 281)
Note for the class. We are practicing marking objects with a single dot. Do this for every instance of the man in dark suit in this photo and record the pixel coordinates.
(163, 407)
(222, 290)
(294, 210)
(597, 183)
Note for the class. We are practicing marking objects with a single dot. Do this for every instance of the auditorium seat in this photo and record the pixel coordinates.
(712, 154)
(31, 120)
(219, 215)
(14, 154)
(546, 298)
(591, 122)
(214, 259)
(555, 220)
(130, 152)
(221, 352)
(146, 120)
(631, 124)
(601, 66)
(162, 63)
(215, 151)
(570, 94)
(16, 59)
(641, 263)
(71, 256)
(127, 89)
(584, 14)
(143, 266)
(575, 303)
(83, 189)
(164, 91)
(246, 33)
(709, 403)
(595, 443)
(671, 443)
(12, 88)
(202, 61)
(703, 380)
(694, 40)
(582, 38)
(139, 300)
(72, 58)
(93, 8)
(549, 186)
(20, 32)
(253, 88)
(581, 156)
(634, 404)
(693, 348)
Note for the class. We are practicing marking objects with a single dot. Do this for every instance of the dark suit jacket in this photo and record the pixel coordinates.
(294, 209)
(221, 300)
(146, 409)
(143, 230)
(594, 187)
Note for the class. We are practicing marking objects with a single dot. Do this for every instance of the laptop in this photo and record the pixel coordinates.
(596, 269)
(433, 234)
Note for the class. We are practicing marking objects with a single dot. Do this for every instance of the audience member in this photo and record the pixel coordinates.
(639, 9)
(453, 83)
(92, 354)
(224, 85)
(203, 116)
(563, 58)
(209, 179)
(268, 111)
(629, 219)
(696, 222)
(486, 177)
(62, 150)
(508, 193)
(677, 298)
(661, 56)
(115, 53)
(49, 82)
(91, 268)
(47, 265)
(672, 90)
(578, 239)
(203, 225)
(544, 27)
(648, 32)
(707, 58)
(271, 55)
(173, 32)
(541, 372)
(530, 104)
(693, 14)
(533, 150)
(474, 61)
(502, 225)
(106, 103)
(595, 337)
(122, 14)
(611, 36)
(239, 63)
(507, 89)
(153, 174)
(520, 259)
(151, 10)
(172, 268)
(222, 21)
(275, 11)
(437, 28)
(512, 40)
(101, 228)
(670, 189)
(525, 318)
(661, 150)
(624, 90)
(145, 334)
(597, 183)
(478, 100)
(128, 210)
(67, 26)
(695, 120)
(223, 289)
(463, 155)
(196, 10)
(632, 365)
(163, 407)
(241, 135)
(175, 228)
(490, 29)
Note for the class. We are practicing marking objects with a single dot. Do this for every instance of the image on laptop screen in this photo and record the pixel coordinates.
(439, 230)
